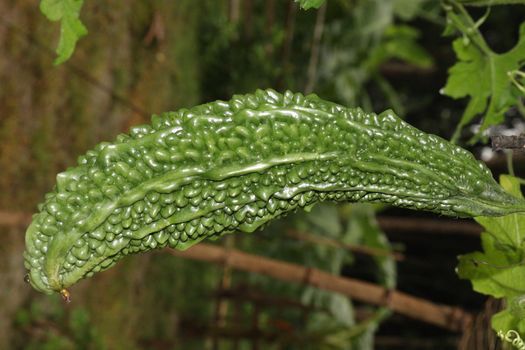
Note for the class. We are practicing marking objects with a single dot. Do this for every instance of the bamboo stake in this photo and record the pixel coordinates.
(448, 317)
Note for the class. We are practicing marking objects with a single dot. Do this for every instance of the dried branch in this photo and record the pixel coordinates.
(451, 318)
(288, 41)
(221, 306)
(76, 70)
(396, 69)
(269, 27)
(234, 10)
(501, 142)
(428, 225)
(314, 52)
(156, 31)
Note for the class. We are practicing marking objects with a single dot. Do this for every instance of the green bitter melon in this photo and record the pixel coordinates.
(227, 166)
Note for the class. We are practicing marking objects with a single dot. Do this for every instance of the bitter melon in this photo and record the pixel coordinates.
(227, 166)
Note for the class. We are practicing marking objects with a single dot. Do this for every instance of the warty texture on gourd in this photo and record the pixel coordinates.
(233, 166)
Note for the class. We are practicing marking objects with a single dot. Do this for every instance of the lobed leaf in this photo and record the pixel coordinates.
(498, 270)
(483, 75)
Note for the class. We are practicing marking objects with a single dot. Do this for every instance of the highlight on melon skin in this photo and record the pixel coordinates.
(230, 166)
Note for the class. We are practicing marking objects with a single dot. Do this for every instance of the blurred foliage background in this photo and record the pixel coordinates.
(145, 57)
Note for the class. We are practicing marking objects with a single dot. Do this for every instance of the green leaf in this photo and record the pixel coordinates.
(511, 184)
(71, 28)
(505, 322)
(400, 42)
(483, 75)
(506, 229)
(341, 309)
(498, 270)
(308, 4)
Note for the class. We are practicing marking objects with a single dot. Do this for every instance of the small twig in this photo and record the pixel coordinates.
(221, 306)
(269, 27)
(428, 225)
(314, 52)
(76, 70)
(397, 69)
(156, 31)
(247, 19)
(234, 11)
(447, 317)
(288, 40)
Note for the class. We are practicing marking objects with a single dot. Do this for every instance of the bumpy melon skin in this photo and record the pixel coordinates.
(233, 166)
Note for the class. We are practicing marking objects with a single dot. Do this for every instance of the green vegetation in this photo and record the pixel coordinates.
(496, 271)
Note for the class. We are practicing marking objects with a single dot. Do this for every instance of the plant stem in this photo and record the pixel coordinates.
(466, 25)
(314, 52)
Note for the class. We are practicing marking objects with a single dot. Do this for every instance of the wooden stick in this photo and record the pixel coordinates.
(451, 318)
(314, 51)
(429, 225)
(500, 142)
